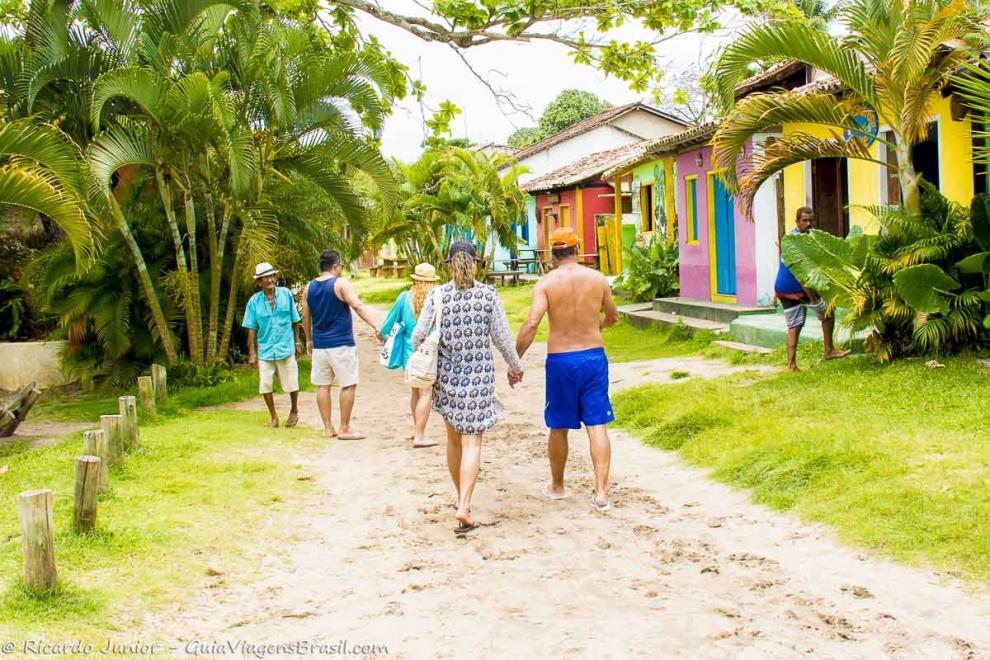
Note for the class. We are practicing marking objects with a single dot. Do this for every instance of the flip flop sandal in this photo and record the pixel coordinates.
(600, 508)
(292, 421)
(554, 496)
(424, 446)
(461, 530)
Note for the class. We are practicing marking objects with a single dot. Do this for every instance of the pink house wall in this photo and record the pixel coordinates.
(695, 266)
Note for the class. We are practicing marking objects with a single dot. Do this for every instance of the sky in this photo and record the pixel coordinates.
(534, 72)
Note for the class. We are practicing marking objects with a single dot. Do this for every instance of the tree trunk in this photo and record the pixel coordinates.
(194, 293)
(216, 271)
(910, 190)
(228, 324)
(188, 306)
(151, 296)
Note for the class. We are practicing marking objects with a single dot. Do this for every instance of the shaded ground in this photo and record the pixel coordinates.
(682, 567)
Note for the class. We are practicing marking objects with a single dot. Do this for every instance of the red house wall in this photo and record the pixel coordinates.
(591, 205)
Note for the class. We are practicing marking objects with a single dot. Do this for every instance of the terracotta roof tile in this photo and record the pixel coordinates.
(589, 167)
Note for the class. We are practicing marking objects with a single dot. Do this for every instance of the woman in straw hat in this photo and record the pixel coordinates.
(403, 316)
(472, 319)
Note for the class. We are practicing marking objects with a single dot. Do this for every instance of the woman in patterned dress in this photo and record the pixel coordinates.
(472, 318)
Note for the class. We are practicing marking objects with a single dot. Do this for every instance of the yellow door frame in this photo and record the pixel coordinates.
(712, 255)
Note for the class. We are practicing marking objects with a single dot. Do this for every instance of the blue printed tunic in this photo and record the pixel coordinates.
(471, 320)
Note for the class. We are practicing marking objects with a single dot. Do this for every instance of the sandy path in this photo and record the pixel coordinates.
(682, 567)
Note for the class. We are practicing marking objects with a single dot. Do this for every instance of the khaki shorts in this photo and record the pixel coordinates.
(288, 374)
(335, 366)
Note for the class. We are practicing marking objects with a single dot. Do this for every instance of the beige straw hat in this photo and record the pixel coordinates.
(425, 273)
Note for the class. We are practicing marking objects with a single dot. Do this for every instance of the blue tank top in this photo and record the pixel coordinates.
(331, 316)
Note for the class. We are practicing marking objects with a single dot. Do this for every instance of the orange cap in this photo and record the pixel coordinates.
(563, 238)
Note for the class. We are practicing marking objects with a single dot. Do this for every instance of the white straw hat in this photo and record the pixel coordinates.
(425, 273)
(264, 269)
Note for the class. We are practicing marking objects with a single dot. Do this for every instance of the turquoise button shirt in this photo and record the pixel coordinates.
(276, 338)
(401, 314)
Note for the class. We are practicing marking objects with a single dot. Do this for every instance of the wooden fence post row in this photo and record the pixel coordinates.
(146, 390)
(87, 485)
(95, 444)
(38, 539)
(129, 419)
(160, 378)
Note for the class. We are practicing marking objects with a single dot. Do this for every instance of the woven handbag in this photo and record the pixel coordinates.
(421, 370)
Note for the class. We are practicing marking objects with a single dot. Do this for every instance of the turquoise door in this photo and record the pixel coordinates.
(725, 240)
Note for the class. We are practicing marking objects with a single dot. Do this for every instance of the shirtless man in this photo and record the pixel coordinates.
(579, 303)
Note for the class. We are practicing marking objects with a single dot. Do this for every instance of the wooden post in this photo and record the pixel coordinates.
(87, 484)
(128, 414)
(38, 539)
(146, 390)
(95, 444)
(159, 376)
(115, 442)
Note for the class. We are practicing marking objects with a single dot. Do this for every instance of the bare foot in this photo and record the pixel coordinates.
(419, 443)
(330, 433)
(351, 435)
(792, 367)
(463, 517)
(292, 420)
(274, 423)
(836, 354)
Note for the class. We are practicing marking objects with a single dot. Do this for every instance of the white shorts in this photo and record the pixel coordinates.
(288, 374)
(335, 366)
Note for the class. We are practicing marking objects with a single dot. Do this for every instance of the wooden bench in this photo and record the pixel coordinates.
(502, 274)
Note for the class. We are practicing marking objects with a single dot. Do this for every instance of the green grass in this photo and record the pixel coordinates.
(210, 489)
(66, 405)
(380, 290)
(895, 457)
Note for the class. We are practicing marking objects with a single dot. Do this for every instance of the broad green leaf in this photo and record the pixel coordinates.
(979, 214)
(975, 263)
(924, 286)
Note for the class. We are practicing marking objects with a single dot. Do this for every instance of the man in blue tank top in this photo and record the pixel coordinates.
(327, 302)
(795, 298)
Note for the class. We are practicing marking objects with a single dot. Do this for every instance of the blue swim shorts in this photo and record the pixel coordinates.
(577, 389)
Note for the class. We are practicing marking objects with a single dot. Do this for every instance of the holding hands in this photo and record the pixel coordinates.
(515, 377)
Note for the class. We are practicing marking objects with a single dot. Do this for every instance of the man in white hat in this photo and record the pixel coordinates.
(272, 322)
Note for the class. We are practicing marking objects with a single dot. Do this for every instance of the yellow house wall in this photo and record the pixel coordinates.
(955, 155)
(955, 161)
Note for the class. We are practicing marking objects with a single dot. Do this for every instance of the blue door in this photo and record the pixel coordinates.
(725, 240)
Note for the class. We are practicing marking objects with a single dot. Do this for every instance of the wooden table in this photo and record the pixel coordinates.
(394, 267)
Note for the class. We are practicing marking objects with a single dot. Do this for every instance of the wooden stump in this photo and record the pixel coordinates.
(159, 376)
(38, 539)
(146, 390)
(14, 410)
(128, 414)
(95, 444)
(111, 425)
(87, 485)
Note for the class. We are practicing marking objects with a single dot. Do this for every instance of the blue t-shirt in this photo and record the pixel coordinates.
(786, 282)
(276, 336)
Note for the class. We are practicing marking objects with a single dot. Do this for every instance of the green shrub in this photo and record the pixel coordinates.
(912, 284)
(651, 270)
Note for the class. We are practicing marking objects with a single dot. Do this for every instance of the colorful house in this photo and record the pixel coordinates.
(725, 255)
(842, 191)
(577, 196)
(610, 129)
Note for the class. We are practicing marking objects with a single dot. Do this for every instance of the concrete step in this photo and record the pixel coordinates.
(705, 309)
(770, 331)
(743, 348)
(642, 317)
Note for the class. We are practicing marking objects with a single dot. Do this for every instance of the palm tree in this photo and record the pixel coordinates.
(245, 126)
(894, 58)
(452, 193)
